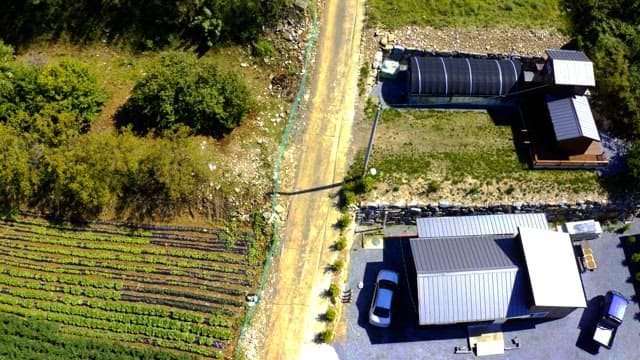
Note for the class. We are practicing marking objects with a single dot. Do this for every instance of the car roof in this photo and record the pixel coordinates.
(383, 299)
(388, 275)
(618, 305)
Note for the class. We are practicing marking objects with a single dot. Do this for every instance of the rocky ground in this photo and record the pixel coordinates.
(502, 40)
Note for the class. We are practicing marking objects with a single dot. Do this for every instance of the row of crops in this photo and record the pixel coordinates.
(176, 289)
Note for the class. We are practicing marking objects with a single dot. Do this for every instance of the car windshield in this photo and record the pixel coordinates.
(381, 312)
(386, 284)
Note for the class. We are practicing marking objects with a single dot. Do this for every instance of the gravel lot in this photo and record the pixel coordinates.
(566, 338)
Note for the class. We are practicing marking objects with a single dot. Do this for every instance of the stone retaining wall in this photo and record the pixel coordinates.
(372, 214)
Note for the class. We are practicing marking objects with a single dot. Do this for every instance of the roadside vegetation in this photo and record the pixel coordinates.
(527, 14)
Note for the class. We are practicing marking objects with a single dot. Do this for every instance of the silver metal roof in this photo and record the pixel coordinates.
(573, 55)
(572, 118)
(469, 253)
(455, 226)
(571, 68)
(468, 279)
(551, 265)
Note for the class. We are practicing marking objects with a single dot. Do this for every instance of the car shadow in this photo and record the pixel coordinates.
(404, 325)
(587, 326)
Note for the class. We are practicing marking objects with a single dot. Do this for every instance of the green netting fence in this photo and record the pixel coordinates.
(276, 174)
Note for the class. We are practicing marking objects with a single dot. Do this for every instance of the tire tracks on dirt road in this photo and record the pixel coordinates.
(292, 301)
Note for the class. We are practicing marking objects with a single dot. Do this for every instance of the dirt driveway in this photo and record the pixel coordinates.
(286, 322)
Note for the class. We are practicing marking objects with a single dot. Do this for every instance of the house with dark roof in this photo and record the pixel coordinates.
(466, 276)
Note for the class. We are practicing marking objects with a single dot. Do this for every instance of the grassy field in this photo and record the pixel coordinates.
(526, 14)
(176, 289)
(464, 156)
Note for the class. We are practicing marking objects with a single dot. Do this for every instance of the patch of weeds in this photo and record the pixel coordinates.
(631, 240)
(263, 48)
(370, 108)
(365, 71)
(623, 229)
(510, 190)
(433, 187)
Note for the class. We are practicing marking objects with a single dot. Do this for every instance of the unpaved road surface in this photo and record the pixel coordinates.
(286, 321)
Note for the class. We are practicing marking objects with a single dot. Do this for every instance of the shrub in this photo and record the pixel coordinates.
(638, 276)
(263, 48)
(331, 314)
(433, 187)
(337, 266)
(341, 244)
(347, 198)
(631, 240)
(326, 336)
(333, 291)
(624, 228)
(344, 221)
(181, 89)
(635, 258)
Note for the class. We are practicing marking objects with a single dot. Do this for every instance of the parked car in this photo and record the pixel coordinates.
(613, 310)
(386, 285)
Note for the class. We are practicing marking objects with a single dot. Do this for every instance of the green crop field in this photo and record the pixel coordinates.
(527, 14)
(176, 289)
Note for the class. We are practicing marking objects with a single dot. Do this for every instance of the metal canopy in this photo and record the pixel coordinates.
(452, 226)
(551, 265)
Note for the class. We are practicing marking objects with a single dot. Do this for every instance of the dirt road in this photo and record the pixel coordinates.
(292, 301)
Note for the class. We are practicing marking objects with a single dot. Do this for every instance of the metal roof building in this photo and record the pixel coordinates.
(571, 68)
(449, 76)
(572, 118)
(455, 226)
(468, 279)
(551, 266)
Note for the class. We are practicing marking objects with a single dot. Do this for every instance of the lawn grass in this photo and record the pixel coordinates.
(527, 14)
(471, 157)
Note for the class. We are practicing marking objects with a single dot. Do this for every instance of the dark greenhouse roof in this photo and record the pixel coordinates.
(446, 76)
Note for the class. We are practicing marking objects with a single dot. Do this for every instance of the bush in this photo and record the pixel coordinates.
(181, 89)
(347, 198)
(263, 48)
(433, 187)
(341, 244)
(635, 258)
(326, 336)
(331, 314)
(631, 240)
(344, 221)
(333, 291)
(337, 266)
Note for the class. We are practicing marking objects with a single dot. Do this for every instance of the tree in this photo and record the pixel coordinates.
(181, 89)
(17, 178)
(52, 103)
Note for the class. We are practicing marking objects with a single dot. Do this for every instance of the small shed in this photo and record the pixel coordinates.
(556, 286)
(462, 79)
(501, 224)
(573, 123)
(570, 69)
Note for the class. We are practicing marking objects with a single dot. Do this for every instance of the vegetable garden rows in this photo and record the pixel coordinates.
(175, 289)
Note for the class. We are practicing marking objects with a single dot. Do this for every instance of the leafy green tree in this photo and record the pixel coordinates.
(52, 103)
(17, 178)
(184, 90)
